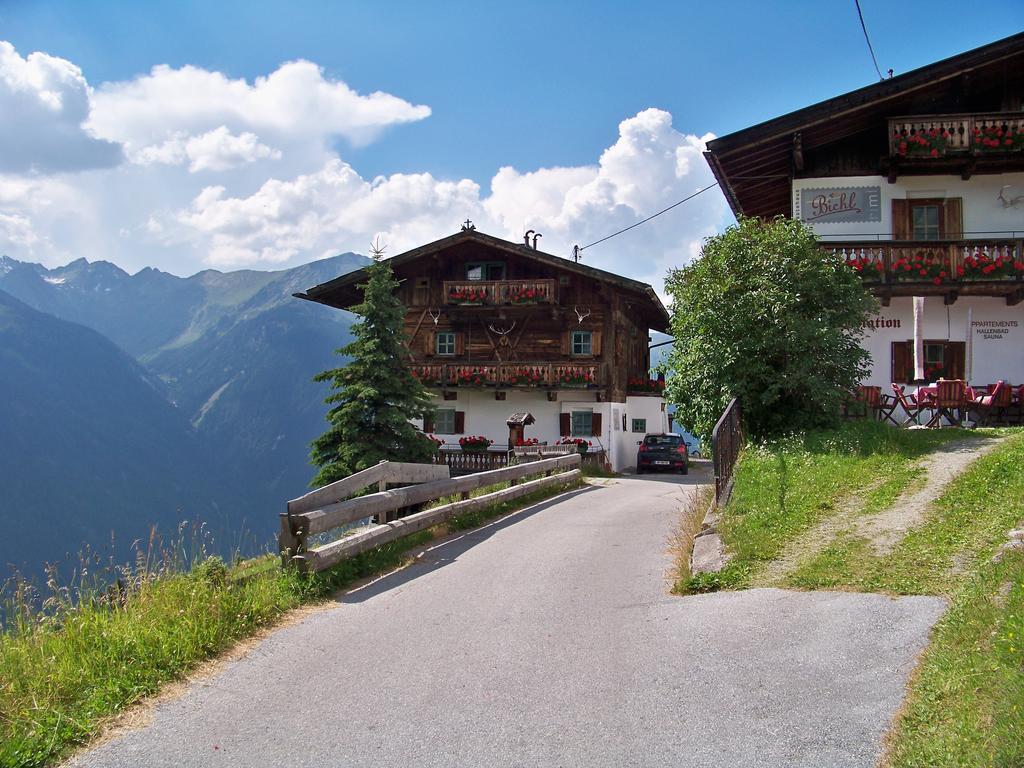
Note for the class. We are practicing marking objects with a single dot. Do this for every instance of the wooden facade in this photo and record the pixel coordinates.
(488, 313)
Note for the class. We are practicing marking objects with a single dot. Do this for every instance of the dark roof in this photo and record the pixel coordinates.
(754, 165)
(342, 293)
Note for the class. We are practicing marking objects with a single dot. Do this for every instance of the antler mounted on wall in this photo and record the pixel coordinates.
(502, 332)
(434, 316)
(581, 316)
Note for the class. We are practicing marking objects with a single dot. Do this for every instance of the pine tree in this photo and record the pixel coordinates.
(375, 395)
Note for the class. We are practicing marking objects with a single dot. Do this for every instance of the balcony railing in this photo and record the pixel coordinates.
(935, 262)
(500, 292)
(538, 375)
(937, 136)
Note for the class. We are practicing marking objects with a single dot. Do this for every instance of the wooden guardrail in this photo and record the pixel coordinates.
(326, 508)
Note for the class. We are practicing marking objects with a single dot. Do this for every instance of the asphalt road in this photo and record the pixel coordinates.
(549, 639)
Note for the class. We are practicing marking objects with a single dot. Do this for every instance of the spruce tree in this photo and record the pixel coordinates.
(375, 395)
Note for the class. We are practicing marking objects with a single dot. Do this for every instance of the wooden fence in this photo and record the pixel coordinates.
(726, 441)
(329, 507)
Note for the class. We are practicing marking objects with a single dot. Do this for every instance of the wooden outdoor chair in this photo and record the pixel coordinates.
(886, 410)
(911, 407)
(867, 399)
(996, 403)
(950, 401)
(1015, 413)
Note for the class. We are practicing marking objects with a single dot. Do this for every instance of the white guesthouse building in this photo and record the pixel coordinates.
(919, 182)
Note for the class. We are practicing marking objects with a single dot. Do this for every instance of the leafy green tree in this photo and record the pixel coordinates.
(375, 395)
(766, 316)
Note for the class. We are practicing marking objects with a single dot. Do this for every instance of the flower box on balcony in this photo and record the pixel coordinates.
(524, 295)
(426, 377)
(646, 386)
(920, 268)
(467, 296)
(921, 143)
(869, 270)
(476, 444)
(582, 446)
(998, 138)
(472, 378)
(982, 266)
(576, 379)
(525, 377)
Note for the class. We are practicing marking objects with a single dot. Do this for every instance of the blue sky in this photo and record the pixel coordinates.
(529, 86)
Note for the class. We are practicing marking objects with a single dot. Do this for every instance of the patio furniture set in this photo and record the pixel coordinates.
(950, 401)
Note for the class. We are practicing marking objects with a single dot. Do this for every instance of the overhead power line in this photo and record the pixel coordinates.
(654, 216)
(868, 40)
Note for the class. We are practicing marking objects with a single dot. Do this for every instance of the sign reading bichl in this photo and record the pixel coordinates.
(840, 205)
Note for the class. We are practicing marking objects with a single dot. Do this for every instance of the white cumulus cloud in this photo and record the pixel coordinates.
(295, 101)
(216, 150)
(234, 173)
(650, 166)
(44, 102)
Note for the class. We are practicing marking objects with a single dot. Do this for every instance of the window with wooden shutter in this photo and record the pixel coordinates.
(902, 362)
(429, 343)
(460, 423)
(566, 341)
(445, 343)
(900, 220)
(564, 424)
(955, 359)
(460, 343)
(428, 423)
(595, 425)
(933, 218)
(943, 360)
(595, 343)
(952, 218)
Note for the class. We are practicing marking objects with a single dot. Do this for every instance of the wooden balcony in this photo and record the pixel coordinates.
(985, 142)
(950, 268)
(500, 292)
(511, 375)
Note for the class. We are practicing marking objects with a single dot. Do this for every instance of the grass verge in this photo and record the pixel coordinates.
(966, 700)
(965, 703)
(681, 543)
(67, 668)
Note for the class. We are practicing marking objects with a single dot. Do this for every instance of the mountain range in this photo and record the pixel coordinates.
(128, 401)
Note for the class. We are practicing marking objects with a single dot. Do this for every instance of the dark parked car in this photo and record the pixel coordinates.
(662, 452)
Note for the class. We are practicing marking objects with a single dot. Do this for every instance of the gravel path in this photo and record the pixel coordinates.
(941, 467)
(884, 530)
(549, 639)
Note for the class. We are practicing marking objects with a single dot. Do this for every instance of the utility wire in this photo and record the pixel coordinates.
(665, 210)
(868, 40)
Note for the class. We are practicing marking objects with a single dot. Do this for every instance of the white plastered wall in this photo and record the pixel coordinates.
(983, 212)
(998, 331)
(487, 416)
